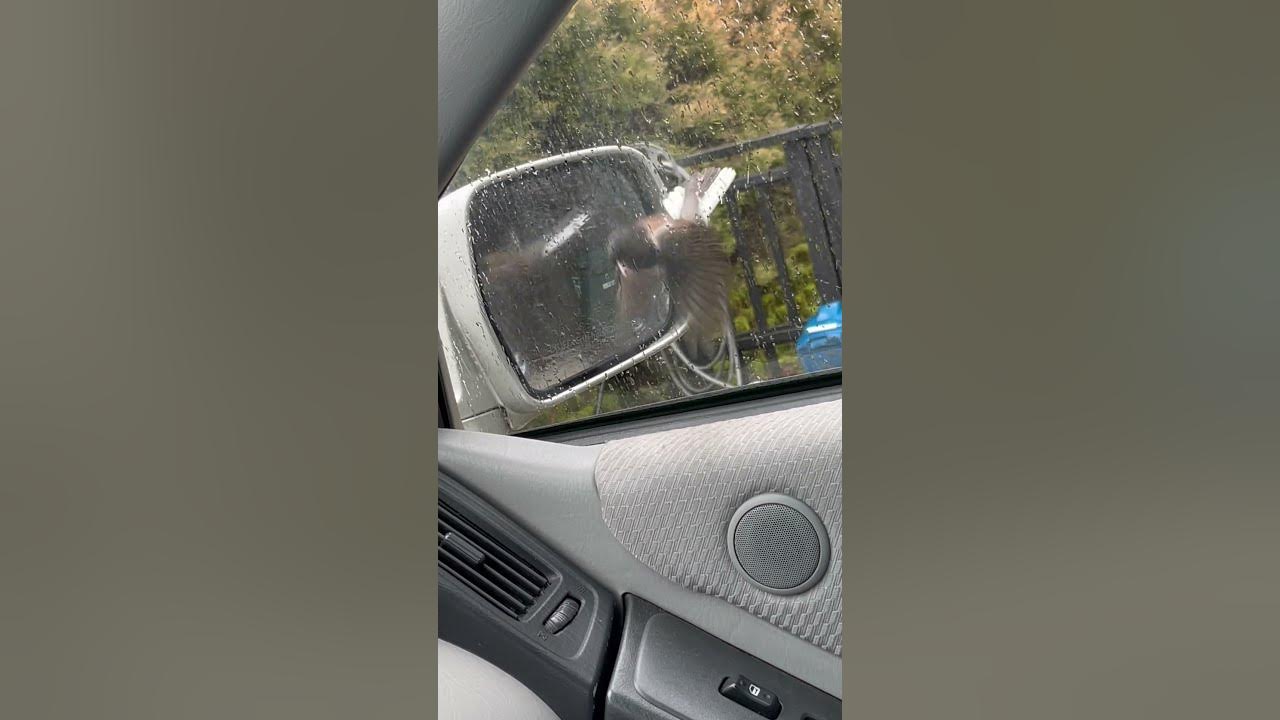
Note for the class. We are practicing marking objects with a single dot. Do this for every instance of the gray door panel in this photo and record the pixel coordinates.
(668, 497)
(551, 489)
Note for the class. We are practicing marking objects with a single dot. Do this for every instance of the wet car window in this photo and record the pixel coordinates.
(657, 201)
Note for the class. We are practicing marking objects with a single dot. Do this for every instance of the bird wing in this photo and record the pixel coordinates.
(696, 268)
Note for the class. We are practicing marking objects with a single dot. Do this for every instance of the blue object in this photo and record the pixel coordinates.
(820, 342)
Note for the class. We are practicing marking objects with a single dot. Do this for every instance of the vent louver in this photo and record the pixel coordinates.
(482, 564)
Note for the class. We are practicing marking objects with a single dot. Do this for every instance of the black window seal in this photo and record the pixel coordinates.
(677, 407)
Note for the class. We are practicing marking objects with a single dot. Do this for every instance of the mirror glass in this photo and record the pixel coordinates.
(539, 243)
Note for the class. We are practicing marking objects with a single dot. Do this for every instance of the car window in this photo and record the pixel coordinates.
(653, 214)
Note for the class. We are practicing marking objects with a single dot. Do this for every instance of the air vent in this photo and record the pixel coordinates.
(491, 570)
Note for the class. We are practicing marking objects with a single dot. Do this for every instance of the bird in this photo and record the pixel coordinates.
(684, 257)
(536, 287)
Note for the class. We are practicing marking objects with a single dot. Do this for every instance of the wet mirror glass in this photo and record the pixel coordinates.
(540, 242)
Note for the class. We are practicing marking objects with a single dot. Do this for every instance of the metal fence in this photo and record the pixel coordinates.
(812, 170)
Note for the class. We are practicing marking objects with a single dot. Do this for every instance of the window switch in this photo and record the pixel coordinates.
(751, 696)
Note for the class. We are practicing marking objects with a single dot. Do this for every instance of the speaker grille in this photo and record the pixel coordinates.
(777, 546)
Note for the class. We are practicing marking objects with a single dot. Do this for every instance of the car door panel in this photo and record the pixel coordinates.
(551, 490)
(668, 498)
(669, 670)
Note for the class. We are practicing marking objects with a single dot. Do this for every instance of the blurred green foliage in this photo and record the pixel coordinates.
(683, 74)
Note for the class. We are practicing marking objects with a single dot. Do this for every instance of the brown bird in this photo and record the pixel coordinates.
(686, 259)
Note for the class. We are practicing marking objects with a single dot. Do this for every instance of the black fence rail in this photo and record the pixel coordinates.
(812, 170)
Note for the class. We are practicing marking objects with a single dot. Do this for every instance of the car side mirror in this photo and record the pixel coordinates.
(528, 289)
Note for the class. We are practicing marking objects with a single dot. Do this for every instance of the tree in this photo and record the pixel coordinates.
(684, 74)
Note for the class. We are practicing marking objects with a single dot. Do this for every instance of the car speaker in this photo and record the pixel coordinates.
(779, 544)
